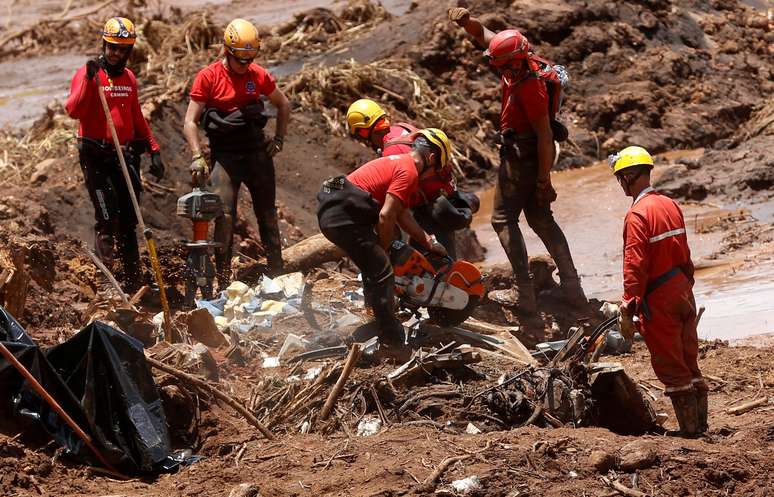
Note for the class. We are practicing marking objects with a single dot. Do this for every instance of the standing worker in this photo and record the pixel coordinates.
(526, 158)
(115, 219)
(438, 207)
(359, 212)
(226, 101)
(658, 288)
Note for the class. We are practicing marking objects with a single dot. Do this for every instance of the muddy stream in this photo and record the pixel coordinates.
(739, 296)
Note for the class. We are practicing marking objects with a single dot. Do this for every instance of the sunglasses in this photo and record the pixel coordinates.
(243, 55)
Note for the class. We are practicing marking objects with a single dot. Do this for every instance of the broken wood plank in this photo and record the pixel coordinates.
(504, 342)
(748, 406)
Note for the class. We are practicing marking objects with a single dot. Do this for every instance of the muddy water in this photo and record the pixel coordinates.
(739, 296)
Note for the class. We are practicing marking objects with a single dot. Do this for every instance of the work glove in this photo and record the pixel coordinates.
(545, 193)
(626, 323)
(436, 247)
(199, 170)
(157, 166)
(92, 68)
(460, 15)
(274, 146)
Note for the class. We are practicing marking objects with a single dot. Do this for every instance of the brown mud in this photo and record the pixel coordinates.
(668, 75)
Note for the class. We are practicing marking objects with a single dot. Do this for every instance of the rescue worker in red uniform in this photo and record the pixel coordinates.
(359, 213)
(226, 103)
(526, 158)
(438, 207)
(658, 288)
(115, 219)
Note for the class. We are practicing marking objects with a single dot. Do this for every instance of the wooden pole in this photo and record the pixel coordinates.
(55, 406)
(352, 358)
(147, 233)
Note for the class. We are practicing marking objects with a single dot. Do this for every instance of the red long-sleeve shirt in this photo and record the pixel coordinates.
(121, 95)
(654, 242)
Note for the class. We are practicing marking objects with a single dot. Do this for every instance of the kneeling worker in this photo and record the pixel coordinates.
(438, 207)
(359, 212)
(658, 287)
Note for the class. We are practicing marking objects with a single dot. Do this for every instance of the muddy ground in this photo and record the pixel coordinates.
(663, 74)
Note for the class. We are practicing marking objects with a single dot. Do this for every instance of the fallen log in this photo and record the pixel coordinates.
(748, 406)
(213, 391)
(14, 279)
(310, 252)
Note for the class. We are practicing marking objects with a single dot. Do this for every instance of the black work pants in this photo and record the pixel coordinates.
(115, 221)
(254, 169)
(514, 194)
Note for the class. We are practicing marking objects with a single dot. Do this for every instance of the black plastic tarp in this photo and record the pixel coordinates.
(101, 379)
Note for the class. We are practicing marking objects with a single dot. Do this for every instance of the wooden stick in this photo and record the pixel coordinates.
(48, 399)
(748, 406)
(212, 390)
(102, 267)
(352, 358)
(623, 489)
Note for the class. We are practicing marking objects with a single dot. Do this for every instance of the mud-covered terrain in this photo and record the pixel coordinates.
(668, 75)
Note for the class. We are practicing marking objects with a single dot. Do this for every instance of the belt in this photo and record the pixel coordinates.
(654, 284)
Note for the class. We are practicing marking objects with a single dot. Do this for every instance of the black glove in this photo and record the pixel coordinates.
(92, 68)
(157, 166)
(274, 146)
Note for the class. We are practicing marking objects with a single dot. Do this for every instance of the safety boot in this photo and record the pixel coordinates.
(572, 293)
(521, 296)
(702, 409)
(686, 410)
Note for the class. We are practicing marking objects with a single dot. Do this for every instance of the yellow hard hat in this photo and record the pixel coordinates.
(241, 39)
(630, 157)
(119, 30)
(363, 114)
(440, 140)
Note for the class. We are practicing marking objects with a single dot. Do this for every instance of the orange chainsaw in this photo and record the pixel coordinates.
(449, 289)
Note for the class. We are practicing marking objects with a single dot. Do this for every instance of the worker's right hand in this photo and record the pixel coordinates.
(460, 15)
(437, 247)
(626, 323)
(199, 170)
(92, 68)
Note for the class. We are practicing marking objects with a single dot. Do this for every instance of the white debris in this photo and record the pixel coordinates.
(312, 373)
(472, 429)
(236, 289)
(609, 309)
(305, 427)
(292, 343)
(291, 285)
(466, 485)
(368, 426)
(269, 286)
(271, 362)
(573, 474)
(347, 319)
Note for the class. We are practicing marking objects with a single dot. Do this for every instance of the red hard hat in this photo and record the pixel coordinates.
(506, 46)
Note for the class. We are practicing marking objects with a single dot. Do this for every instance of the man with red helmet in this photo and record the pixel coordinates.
(437, 205)
(526, 157)
(115, 220)
(226, 103)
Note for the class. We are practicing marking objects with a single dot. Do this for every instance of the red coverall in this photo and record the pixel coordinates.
(655, 243)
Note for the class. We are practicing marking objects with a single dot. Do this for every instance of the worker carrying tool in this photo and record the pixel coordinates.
(438, 207)
(115, 219)
(531, 97)
(359, 212)
(658, 288)
(226, 103)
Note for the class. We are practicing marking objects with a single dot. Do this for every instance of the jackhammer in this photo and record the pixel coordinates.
(201, 207)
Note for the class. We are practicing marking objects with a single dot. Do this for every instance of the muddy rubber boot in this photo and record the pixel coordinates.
(703, 410)
(268, 227)
(686, 410)
(130, 258)
(521, 296)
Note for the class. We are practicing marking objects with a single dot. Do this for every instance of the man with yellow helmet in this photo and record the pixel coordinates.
(115, 220)
(437, 205)
(226, 103)
(359, 213)
(658, 288)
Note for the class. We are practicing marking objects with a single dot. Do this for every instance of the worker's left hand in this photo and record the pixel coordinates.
(157, 166)
(545, 193)
(275, 146)
(460, 15)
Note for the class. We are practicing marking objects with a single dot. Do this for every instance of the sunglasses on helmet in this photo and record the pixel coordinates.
(243, 55)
